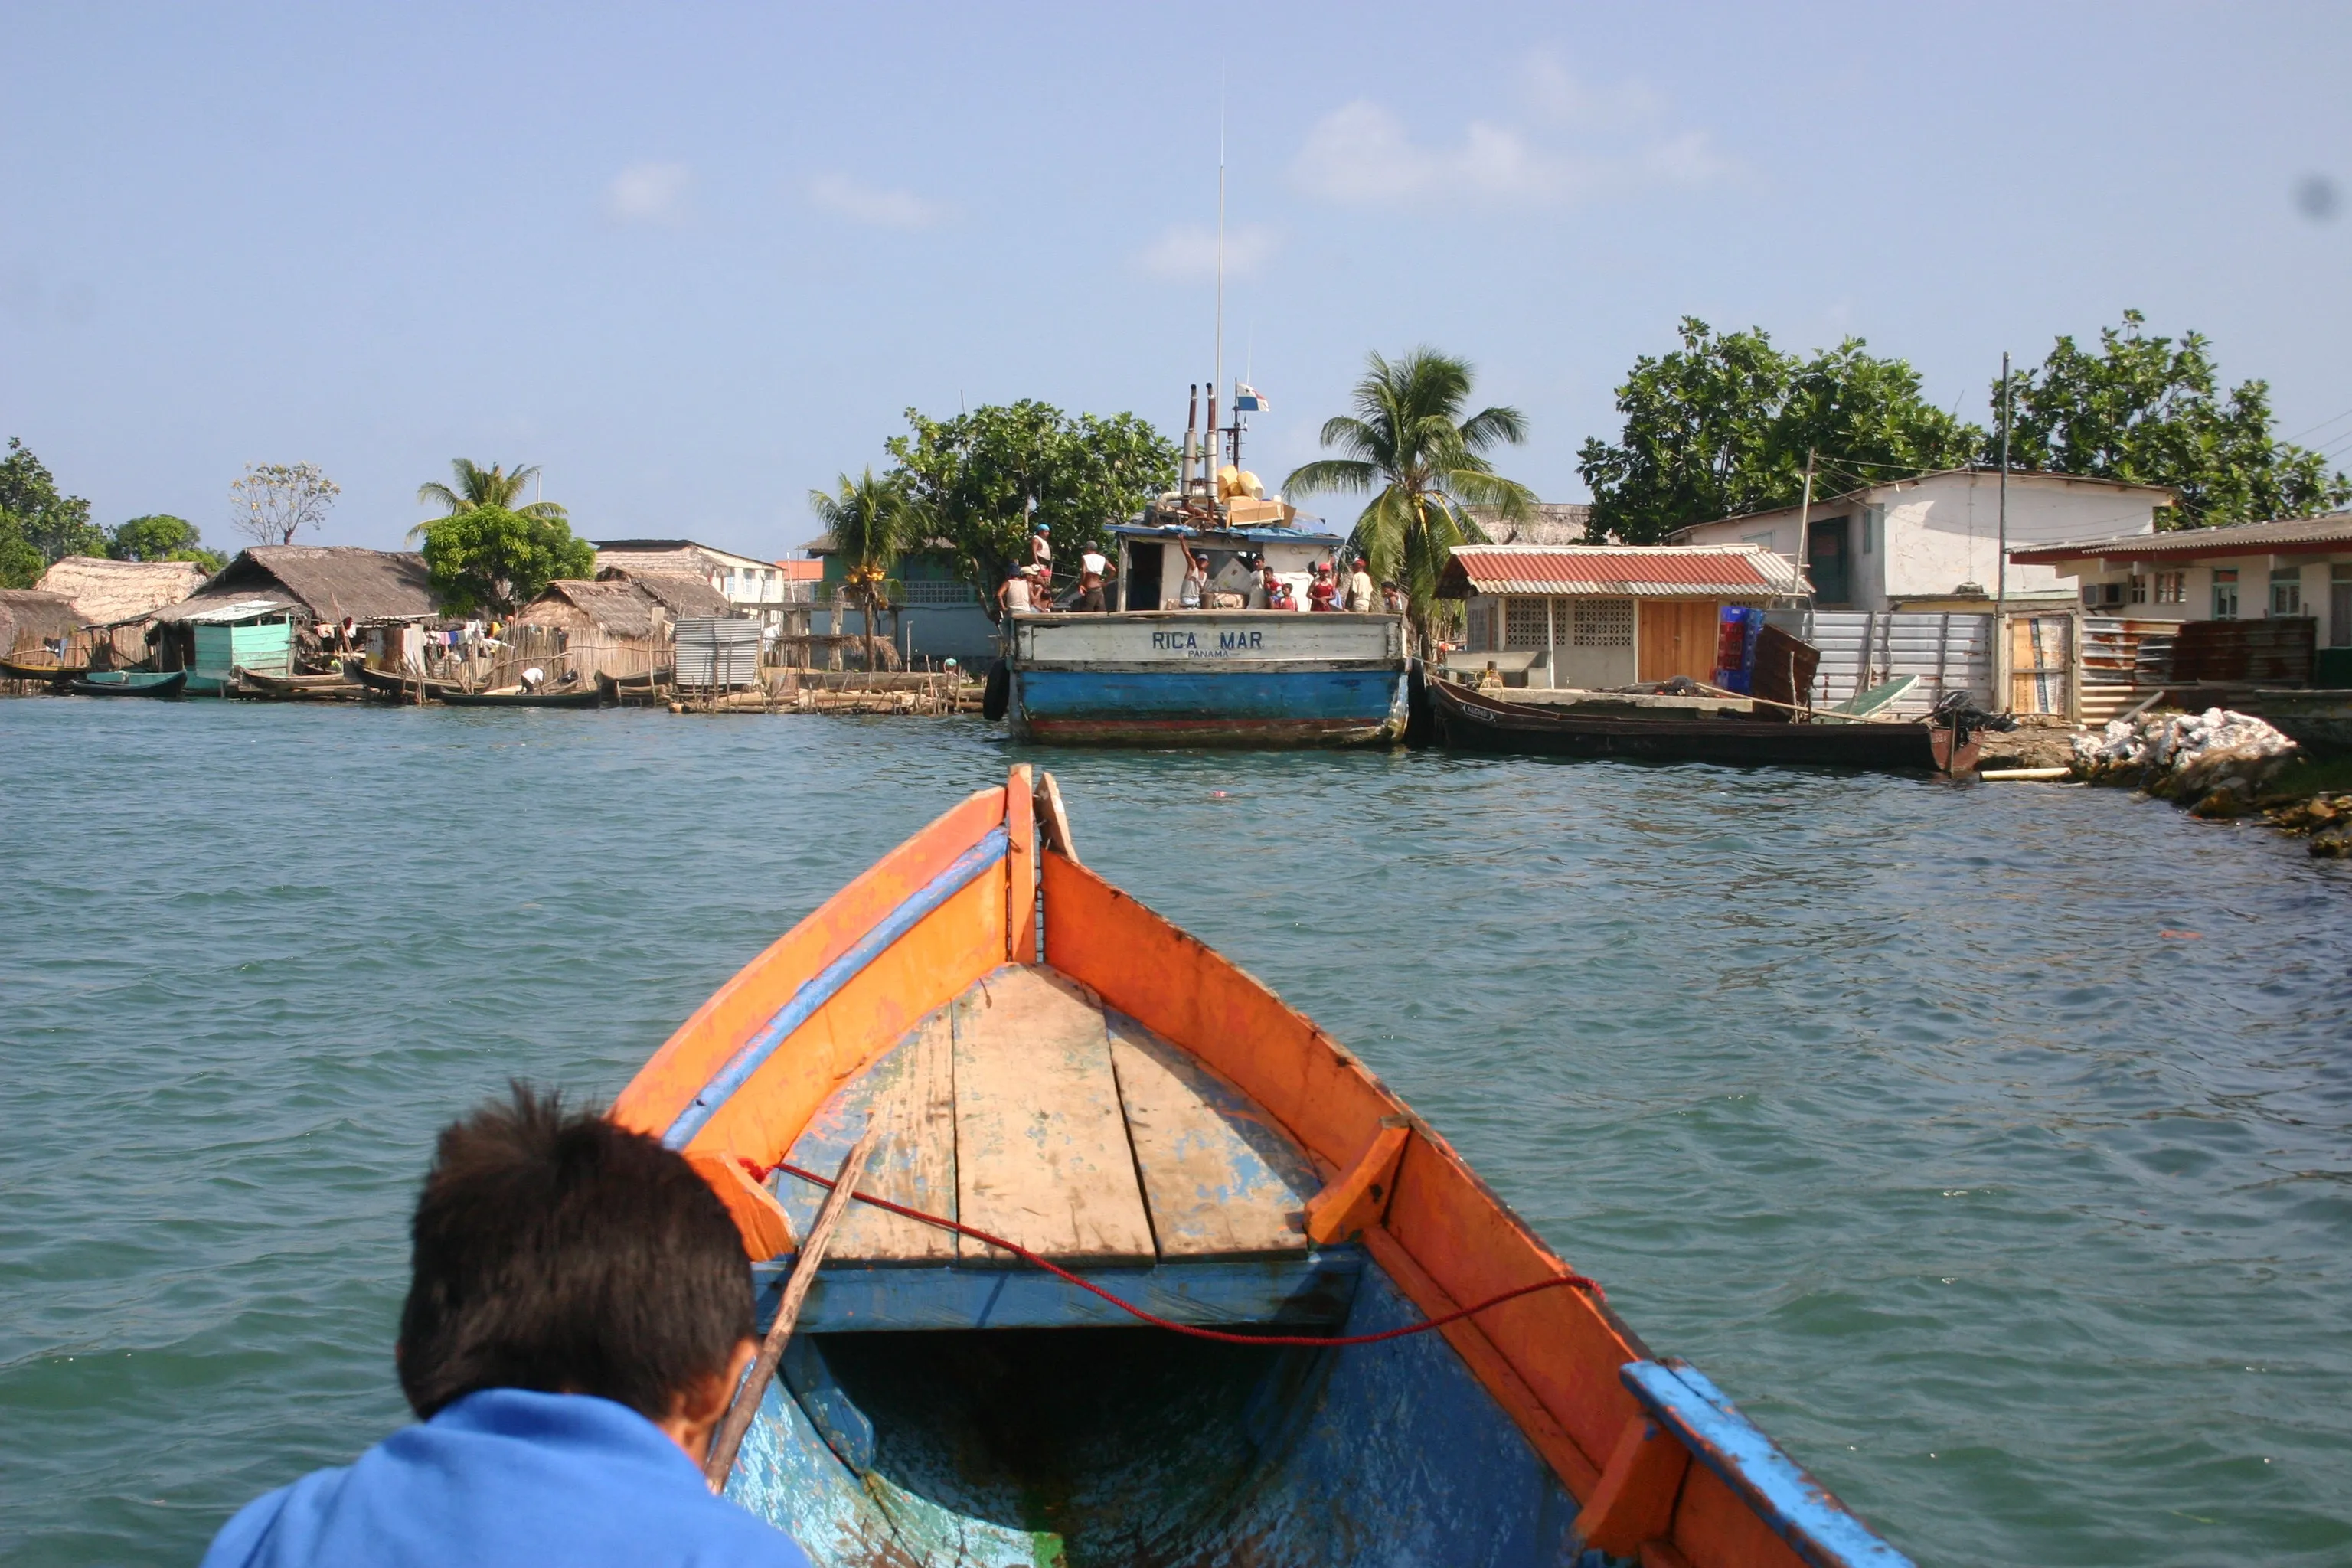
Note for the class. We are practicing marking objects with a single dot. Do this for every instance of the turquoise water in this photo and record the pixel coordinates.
(1904, 1110)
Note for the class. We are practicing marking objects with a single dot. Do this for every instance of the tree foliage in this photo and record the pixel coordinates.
(2149, 410)
(161, 537)
(1425, 465)
(1723, 426)
(275, 501)
(38, 525)
(870, 521)
(981, 480)
(491, 559)
(478, 486)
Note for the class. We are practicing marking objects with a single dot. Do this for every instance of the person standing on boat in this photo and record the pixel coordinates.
(579, 1313)
(1013, 598)
(1323, 594)
(1041, 557)
(1093, 567)
(1359, 588)
(1193, 593)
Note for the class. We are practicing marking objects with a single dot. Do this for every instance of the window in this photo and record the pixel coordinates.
(1526, 623)
(2225, 592)
(1873, 518)
(2138, 589)
(2287, 592)
(1602, 623)
(2172, 587)
(2102, 595)
(2340, 605)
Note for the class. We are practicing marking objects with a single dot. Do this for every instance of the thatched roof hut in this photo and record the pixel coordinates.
(614, 609)
(29, 616)
(680, 593)
(112, 593)
(319, 582)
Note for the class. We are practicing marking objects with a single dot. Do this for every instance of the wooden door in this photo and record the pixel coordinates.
(1677, 638)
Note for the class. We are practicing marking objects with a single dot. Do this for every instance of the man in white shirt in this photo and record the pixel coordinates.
(1013, 598)
(1093, 566)
(1359, 588)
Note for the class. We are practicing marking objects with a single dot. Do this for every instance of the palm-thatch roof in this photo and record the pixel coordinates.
(325, 582)
(1555, 522)
(27, 615)
(617, 608)
(680, 594)
(110, 593)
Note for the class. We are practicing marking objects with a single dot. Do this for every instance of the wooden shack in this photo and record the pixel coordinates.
(1592, 617)
(618, 624)
(35, 627)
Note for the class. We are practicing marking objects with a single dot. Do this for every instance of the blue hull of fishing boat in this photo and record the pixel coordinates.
(1264, 705)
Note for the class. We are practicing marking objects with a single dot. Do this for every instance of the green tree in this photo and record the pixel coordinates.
(1423, 464)
(2149, 410)
(479, 486)
(981, 480)
(161, 537)
(1724, 425)
(35, 517)
(491, 559)
(870, 521)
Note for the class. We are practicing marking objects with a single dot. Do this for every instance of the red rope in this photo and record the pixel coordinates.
(1189, 1330)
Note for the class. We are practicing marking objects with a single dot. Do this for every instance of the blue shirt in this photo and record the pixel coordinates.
(507, 1476)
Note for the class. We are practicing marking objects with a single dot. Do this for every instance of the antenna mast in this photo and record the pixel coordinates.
(1219, 378)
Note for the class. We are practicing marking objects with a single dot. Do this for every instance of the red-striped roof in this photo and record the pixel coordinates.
(1659, 571)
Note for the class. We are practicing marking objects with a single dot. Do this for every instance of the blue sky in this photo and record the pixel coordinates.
(695, 260)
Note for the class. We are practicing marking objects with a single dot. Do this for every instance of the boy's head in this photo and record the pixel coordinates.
(556, 1251)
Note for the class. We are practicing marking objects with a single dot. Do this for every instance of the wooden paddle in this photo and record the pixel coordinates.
(729, 1440)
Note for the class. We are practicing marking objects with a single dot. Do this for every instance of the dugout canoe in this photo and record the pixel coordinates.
(395, 686)
(34, 669)
(337, 686)
(1472, 721)
(589, 695)
(1054, 1067)
(129, 683)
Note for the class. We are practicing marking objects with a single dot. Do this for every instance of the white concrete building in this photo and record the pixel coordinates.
(2244, 572)
(1933, 542)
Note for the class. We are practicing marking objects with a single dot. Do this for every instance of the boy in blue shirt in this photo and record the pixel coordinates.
(578, 1316)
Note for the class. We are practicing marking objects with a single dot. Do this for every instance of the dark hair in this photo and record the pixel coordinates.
(556, 1251)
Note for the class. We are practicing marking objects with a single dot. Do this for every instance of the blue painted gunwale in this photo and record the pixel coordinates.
(1799, 1510)
(825, 984)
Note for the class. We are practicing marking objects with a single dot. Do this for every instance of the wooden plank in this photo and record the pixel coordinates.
(1042, 1155)
(1020, 868)
(1302, 1291)
(1222, 1179)
(911, 1092)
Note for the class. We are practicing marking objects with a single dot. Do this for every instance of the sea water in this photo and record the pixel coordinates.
(1988, 1144)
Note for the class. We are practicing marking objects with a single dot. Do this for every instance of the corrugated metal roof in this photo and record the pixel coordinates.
(1734, 572)
(2316, 533)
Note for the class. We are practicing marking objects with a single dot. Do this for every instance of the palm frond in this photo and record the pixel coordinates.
(1345, 475)
(1488, 425)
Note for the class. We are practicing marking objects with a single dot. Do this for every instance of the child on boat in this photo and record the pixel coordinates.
(578, 1316)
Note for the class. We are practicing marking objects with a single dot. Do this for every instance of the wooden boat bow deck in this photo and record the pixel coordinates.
(1119, 1098)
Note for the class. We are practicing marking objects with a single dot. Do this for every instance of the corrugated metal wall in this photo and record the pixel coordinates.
(1861, 648)
(716, 652)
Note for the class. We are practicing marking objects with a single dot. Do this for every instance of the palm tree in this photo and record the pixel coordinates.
(1408, 441)
(479, 486)
(870, 520)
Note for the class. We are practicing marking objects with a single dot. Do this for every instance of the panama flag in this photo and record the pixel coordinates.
(1246, 399)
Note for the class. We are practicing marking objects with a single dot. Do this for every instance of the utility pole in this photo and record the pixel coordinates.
(1805, 517)
(2000, 570)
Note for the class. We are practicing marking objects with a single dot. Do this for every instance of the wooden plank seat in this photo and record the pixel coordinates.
(1027, 1110)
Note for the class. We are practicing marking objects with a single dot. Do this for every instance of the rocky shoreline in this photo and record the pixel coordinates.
(2222, 766)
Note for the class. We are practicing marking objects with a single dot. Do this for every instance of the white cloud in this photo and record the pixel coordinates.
(1187, 252)
(1580, 143)
(650, 193)
(878, 209)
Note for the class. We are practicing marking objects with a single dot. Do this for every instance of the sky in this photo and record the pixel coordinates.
(694, 260)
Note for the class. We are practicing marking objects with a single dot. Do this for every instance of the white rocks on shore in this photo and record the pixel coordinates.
(2217, 759)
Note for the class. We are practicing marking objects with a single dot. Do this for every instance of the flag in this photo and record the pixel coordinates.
(1247, 401)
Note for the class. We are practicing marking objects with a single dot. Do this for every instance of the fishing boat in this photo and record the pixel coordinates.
(1151, 669)
(398, 686)
(336, 687)
(1473, 720)
(1144, 1267)
(588, 695)
(169, 683)
(34, 669)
